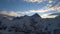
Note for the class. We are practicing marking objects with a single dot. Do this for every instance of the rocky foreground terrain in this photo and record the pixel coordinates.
(29, 25)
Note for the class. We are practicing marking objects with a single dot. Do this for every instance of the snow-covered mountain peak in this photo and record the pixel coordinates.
(36, 15)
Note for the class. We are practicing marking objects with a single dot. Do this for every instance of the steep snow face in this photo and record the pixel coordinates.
(38, 20)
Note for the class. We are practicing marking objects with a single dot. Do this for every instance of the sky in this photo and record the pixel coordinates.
(29, 7)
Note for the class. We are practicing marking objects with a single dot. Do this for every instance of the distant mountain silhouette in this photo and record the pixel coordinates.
(35, 15)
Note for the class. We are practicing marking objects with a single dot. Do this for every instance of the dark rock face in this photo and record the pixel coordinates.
(57, 31)
(29, 25)
(36, 15)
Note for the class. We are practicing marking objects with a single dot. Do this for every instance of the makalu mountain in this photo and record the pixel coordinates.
(29, 25)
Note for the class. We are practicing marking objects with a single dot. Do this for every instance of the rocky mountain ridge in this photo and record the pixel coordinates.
(28, 24)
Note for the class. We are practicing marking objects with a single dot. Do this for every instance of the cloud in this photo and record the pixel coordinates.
(52, 5)
(50, 1)
(49, 7)
(11, 13)
(31, 12)
(57, 6)
(48, 15)
(34, 1)
(39, 1)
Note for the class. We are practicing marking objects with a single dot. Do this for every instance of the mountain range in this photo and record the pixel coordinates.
(29, 25)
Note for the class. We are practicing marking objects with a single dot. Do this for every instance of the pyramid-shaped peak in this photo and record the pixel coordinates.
(36, 15)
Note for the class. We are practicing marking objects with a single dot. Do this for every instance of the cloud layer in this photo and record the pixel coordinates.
(51, 5)
(38, 1)
(31, 12)
(34, 1)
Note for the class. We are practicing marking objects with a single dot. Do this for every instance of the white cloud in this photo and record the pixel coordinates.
(57, 6)
(11, 13)
(39, 1)
(48, 8)
(35, 1)
(49, 4)
(52, 6)
(50, 1)
(48, 16)
(31, 12)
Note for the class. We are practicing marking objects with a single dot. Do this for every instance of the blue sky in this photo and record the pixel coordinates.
(29, 7)
(19, 5)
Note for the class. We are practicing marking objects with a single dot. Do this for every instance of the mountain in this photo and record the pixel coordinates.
(35, 15)
(28, 24)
